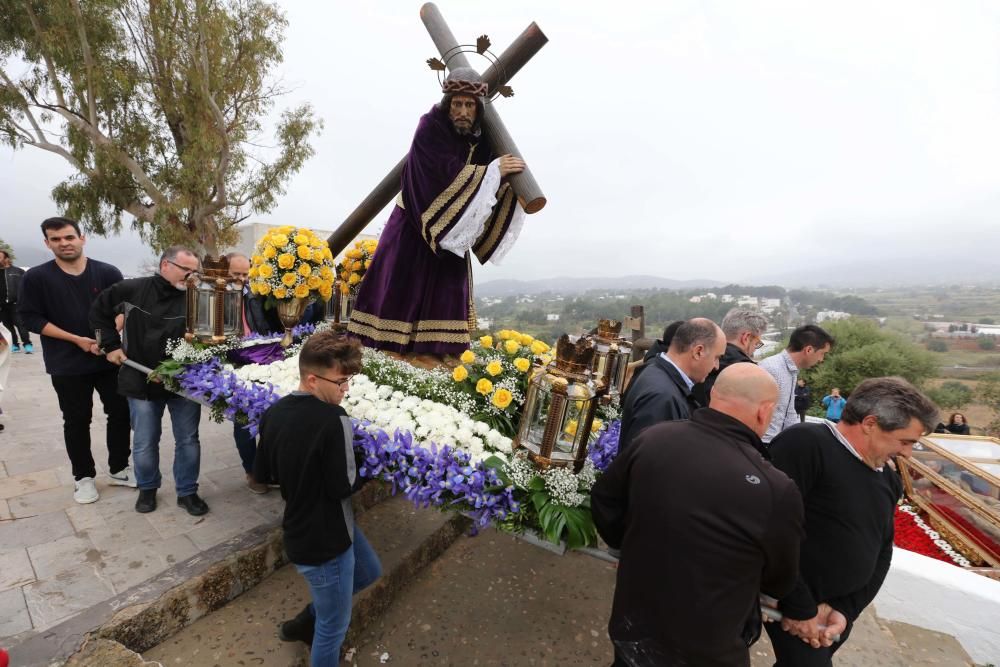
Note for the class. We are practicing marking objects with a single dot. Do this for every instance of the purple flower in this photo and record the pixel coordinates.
(605, 449)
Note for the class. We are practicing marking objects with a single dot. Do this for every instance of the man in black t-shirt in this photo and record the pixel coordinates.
(55, 302)
(849, 488)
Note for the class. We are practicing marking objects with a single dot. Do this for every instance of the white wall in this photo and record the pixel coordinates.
(931, 594)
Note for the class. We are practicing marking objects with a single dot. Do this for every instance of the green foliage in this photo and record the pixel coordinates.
(854, 305)
(988, 393)
(864, 351)
(987, 320)
(156, 105)
(987, 342)
(7, 249)
(937, 345)
(951, 395)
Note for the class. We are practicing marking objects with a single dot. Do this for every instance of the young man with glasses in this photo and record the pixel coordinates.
(306, 444)
(743, 329)
(155, 309)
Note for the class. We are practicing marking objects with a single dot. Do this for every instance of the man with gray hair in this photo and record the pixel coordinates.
(744, 330)
(155, 309)
(850, 490)
(663, 391)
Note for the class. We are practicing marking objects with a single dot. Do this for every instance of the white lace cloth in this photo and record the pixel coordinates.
(472, 223)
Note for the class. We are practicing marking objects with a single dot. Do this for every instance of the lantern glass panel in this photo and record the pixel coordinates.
(205, 311)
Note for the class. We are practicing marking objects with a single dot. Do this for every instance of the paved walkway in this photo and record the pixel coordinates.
(58, 558)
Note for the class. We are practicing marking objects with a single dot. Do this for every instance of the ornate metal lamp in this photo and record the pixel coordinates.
(340, 305)
(612, 354)
(560, 405)
(214, 303)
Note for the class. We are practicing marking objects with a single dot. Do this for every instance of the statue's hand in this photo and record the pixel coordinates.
(511, 165)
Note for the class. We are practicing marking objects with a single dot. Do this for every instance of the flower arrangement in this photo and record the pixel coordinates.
(353, 267)
(291, 263)
(494, 372)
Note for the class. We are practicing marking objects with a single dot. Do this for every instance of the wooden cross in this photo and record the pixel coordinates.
(528, 43)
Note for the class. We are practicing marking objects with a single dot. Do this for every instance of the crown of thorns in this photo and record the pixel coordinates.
(476, 88)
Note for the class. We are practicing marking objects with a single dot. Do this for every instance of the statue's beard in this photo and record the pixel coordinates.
(464, 130)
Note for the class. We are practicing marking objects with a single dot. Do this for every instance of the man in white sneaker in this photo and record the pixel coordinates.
(54, 302)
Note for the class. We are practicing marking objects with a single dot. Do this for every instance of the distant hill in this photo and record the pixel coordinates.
(31, 256)
(890, 272)
(570, 285)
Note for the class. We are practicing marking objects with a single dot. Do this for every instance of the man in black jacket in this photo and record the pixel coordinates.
(663, 391)
(743, 329)
(154, 310)
(704, 525)
(10, 288)
(850, 491)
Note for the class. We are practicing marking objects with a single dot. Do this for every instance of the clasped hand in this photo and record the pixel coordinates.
(511, 165)
(820, 629)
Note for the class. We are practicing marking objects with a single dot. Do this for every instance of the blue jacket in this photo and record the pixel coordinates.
(834, 407)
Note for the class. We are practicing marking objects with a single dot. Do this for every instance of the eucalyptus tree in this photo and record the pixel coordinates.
(158, 105)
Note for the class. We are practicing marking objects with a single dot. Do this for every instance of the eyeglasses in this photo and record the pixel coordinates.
(187, 271)
(342, 384)
(759, 344)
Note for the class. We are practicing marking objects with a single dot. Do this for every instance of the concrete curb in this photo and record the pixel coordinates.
(149, 613)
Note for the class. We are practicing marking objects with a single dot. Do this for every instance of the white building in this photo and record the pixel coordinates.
(770, 303)
(484, 323)
(695, 299)
(552, 317)
(824, 315)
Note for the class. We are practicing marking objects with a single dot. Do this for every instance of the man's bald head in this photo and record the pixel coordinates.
(747, 393)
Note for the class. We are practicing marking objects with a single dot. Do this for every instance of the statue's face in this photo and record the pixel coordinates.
(463, 113)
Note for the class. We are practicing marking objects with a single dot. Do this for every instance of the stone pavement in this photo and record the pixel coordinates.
(58, 558)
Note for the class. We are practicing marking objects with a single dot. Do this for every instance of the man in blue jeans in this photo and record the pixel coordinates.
(306, 443)
(154, 310)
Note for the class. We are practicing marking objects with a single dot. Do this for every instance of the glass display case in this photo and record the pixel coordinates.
(956, 480)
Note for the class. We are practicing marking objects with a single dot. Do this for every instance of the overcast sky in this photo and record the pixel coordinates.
(724, 140)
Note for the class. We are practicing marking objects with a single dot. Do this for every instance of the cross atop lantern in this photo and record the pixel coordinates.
(214, 303)
(560, 405)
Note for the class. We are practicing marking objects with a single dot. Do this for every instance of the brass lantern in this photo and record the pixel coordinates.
(339, 306)
(214, 303)
(559, 408)
(612, 354)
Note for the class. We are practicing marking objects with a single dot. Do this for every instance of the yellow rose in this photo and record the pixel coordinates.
(545, 359)
(279, 240)
(356, 266)
(370, 245)
(512, 346)
(326, 292)
(459, 374)
(345, 288)
(265, 270)
(256, 260)
(368, 263)
(301, 239)
(269, 252)
(302, 291)
(353, 253)
(526, 339)
(502, 398)
(288, 279)
(305, 270)
(467, 357)
(571, 427)
(538, 347)
(504, 334)
(345, 275)
(317, 255)
(263, 289)
(522, 364)
(494, 368)
(596, 426)
(484, 387)
(285, 260)
(286, 229)
(304, 252)
(253, 272)
(325, 273)
(354, 279)
(486, 341)
(280, 292)
(327, 254)
(313, 282)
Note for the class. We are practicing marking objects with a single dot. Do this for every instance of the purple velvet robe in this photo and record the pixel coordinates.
(417, 297)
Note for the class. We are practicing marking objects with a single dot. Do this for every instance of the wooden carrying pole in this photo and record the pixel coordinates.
(521, 50)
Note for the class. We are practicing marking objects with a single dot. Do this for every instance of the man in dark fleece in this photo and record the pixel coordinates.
(704, 524)
(849, 488)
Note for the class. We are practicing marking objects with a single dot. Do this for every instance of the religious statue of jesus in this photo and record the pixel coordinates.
(416, 297)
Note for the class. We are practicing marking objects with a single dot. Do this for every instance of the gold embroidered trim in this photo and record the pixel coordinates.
(449, 193)
(457, 206)
(404, 339)
(372, 320)
(375, 334)
(437, 337)
(496, 226)
(430, 325)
